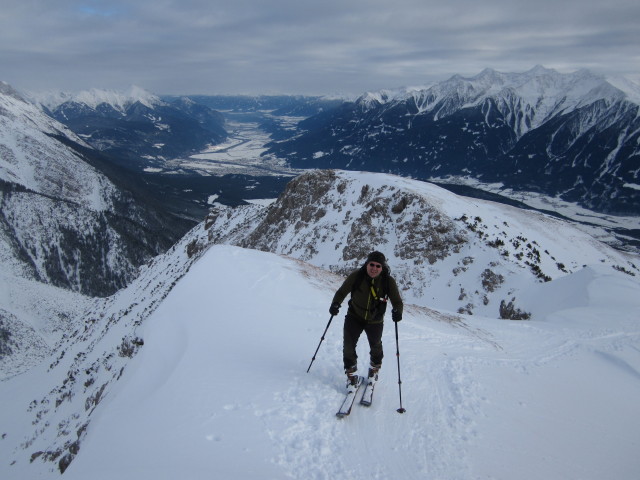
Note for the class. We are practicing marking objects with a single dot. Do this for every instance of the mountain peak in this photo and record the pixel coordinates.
(542, 70)
(490, 74)
(372, 99)
(119, 100)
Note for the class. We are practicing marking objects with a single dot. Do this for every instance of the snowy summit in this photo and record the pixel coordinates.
(94, 97)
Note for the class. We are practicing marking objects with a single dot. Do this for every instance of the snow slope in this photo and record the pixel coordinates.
(198, 368)
(219, 389)
(33, 158)
(35, 326)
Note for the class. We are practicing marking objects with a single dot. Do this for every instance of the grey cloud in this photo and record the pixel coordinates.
(299, 46)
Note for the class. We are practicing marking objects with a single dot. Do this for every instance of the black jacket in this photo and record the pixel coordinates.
(367, 303)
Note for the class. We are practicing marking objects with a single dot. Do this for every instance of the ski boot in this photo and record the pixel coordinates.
(374, 368)
(352, 376)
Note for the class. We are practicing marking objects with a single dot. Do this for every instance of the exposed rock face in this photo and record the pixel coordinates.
(440, 246)
(365, 219)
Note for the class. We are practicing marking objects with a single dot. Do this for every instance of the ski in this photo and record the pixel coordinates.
(367, 395)
(349, 399)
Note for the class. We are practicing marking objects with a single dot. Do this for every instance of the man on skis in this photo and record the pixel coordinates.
(370, 287)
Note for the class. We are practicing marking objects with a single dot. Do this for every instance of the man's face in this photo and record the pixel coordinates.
(374, 269)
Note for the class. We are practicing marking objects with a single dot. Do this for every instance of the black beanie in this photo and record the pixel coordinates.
(377, 257)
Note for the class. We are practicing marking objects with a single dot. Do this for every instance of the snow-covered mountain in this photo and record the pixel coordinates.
(93, 98)
(135, 128)
(569, 135)
(33, 160)
(63, 222)
(198, 367)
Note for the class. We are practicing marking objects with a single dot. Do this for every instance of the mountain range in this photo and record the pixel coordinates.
(135, 128)
(123, 322)
(572, 136)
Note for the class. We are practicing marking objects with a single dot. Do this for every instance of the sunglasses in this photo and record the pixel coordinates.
(375, 265)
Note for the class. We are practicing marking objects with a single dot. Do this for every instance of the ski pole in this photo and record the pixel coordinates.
(325, 332)
(400, 410)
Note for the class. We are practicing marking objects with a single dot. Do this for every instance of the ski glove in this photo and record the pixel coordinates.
(334, 308)
(396, 315)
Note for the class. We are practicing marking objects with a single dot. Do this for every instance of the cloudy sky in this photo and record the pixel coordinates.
(305, 46)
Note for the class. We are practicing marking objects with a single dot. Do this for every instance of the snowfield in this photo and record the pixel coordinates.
(197, 369)
(220, 388)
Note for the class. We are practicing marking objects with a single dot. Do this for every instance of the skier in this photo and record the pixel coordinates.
(370, 287)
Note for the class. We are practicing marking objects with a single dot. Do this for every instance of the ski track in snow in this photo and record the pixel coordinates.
(443, 392)
(439, 394)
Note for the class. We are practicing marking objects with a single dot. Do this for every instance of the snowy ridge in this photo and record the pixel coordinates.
(85, 366)
(630, 89)
(451, 252)
(375, 99)
(217, 386)
(543, 93)
(119, 100)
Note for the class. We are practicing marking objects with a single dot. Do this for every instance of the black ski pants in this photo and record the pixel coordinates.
(353, 328)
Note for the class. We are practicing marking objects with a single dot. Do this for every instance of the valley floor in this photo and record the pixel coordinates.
(241, 154)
